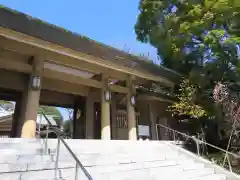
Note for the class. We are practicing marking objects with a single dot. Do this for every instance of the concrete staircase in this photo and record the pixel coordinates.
(22, 159)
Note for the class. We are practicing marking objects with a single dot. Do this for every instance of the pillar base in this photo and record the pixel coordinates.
(106, 133)
(29, 129)
(132, 134)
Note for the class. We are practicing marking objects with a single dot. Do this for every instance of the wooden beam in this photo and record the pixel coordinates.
(85, 66)
(97, 77)
(119, 89)
(14, 56)
(143, 97)
(81, 81)
(121, 111)
(71, 78)
(15, 66)
(6, 125)
(34, 44)
(60, 59)
(5, 129)
(64, 87)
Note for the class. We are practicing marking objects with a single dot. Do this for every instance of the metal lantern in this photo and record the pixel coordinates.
(107, 95)
(36, 82)
(133, 101)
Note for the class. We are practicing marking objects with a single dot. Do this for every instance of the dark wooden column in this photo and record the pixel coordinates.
(15, 119)
(79, 118)
(97, 121)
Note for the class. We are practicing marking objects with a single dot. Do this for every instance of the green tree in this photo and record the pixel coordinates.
(191, 34)
(68, 127)
(52, 111)
(68, 124)
(5, 102)
(187, 102)
(197, 38)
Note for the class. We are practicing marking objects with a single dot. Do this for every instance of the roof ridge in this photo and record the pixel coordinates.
(64, 29)
(92, 47)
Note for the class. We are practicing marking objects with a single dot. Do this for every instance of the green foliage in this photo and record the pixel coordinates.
(53, 111)
(198, 38)
(191, 34)
(5, 102)
(186, 104)
(68, 127)
(217, 158)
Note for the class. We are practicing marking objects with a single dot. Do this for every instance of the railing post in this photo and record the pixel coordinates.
(57, 159)
(157, 132)
(198, 147)
(174, 136)
(46, 144)
(76, 172)
(201, 145)
(229, 163)
(39, 127)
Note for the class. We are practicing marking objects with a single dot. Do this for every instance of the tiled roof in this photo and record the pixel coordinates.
(23, 23)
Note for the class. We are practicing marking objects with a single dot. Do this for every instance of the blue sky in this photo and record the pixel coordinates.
(108, 21)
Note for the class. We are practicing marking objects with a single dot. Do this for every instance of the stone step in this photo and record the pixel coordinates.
(195, 173)
(112, 161)
(154, 173)
(87, 160)
(124, 158)
(151, 167)
(93, 150)
(8, 158)
(18, 140)
(83, 143)
(10, 176)
(29, 147)
(43, 174)
(20, 145)
(212, 177)
(101, 166)
(115, 160)
(24, 159)
(21, 151)
(18, 150)
(107, 144)
(97, 152)
(121, 156)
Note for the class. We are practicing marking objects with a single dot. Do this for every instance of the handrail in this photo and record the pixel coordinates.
(198, 141)
(203, 142)
(56, 131)
(59, 133)
(50, 124)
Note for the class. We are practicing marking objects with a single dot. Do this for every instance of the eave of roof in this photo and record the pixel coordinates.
(34, 27)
